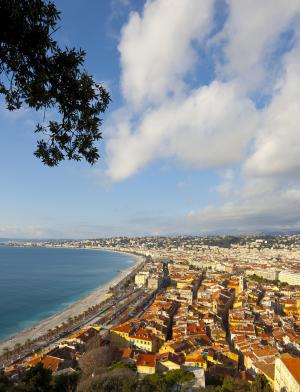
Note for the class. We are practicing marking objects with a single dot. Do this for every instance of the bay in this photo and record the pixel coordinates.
(36, 283)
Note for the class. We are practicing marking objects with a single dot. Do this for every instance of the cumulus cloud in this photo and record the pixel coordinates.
(157, 47)
(221, 124)
(208, 128)
(227, 188)
(204, 126)
(269, 197)
(277, 146)
(251, 35)
(274, 211)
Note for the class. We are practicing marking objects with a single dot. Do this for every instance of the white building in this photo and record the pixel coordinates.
(267, 273)
(140, 279)
(290, 277)
(287, 374)
(154, 282)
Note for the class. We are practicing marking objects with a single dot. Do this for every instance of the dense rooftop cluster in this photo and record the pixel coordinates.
(215, 311)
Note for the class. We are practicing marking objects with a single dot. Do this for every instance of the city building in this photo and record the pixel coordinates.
(287, 375)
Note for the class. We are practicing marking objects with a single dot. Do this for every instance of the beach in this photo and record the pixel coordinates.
(94, 298)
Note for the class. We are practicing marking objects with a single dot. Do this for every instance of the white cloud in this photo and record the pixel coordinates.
(261, 206)
(209, 128)
(277, 147)
(157, 47)
(217, 125)
(251, 34)
(227, 187)
(269, 198)
(273, 211)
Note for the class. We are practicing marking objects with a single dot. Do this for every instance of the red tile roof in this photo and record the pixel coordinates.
(293, 365)
(148, 360)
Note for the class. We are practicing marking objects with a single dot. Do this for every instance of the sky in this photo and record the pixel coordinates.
(202, 134)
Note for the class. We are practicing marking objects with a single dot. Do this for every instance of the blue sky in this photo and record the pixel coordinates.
(202, 134)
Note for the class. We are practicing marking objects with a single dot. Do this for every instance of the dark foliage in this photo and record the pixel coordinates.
(117, 380)
(5, 383)
(179, 376)
(167, 382)
(66, 382)
(260, 384)
(93, 343)
(154, 383)
(37, 73)
(37, 379)
(122, 365)
(97, 359)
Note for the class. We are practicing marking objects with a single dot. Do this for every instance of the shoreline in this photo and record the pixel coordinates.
(95, 297)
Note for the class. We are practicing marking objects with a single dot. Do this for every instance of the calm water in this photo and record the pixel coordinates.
(36, 283)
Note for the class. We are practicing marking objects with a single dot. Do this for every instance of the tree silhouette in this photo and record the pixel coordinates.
(260, 384)
(38, 379)
(35, 72)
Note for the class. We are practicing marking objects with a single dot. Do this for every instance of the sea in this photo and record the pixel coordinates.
(37, 282)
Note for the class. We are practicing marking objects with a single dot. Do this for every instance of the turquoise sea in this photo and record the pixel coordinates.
(36, 283)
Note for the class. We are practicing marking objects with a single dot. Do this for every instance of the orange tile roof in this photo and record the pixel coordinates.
(265, 352)
(195, 329)
(77, 334)
(51, 363)
(122, 328)
(293, 365)
(266, 368)
(142, 334)
(48, 362)
(168, 356)
(194, 357)
(146, 360)
(34, 361)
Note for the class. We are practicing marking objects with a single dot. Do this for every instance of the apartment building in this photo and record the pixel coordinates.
(287, 374)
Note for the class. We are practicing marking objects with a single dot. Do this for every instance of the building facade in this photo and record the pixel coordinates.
(287, 375)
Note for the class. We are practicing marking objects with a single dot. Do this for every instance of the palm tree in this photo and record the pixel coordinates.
(70, 321)
(28, 343)
(17, 347)
(7, 353)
